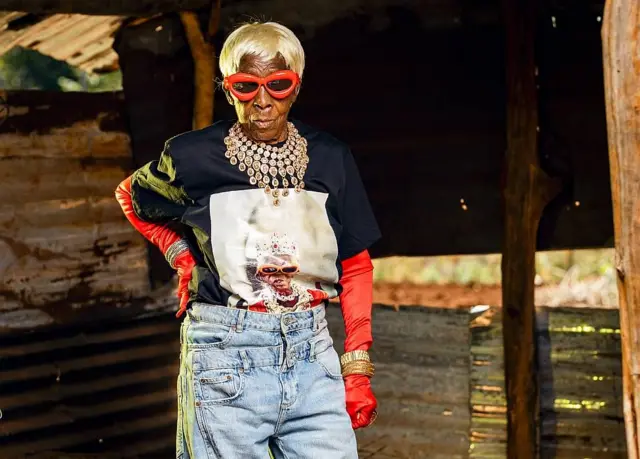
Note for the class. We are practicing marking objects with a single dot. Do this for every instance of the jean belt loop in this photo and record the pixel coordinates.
(312, 351)
(245, 360)
(316, 317)
(281, 356)
(240, 320)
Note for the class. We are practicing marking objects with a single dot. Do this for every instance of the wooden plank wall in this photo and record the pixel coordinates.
(66, 250)
(580, 385)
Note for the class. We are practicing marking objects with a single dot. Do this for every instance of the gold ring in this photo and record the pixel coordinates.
(374, 416)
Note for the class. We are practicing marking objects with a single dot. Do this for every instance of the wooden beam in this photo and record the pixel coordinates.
(527, 191)
(204, 62)
(621, 54)
(103, 7)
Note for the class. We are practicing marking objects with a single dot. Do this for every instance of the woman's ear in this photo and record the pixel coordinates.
(295, 93)
(228, 96)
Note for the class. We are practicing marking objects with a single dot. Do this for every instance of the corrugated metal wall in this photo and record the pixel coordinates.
(66, 250)
(105, 388)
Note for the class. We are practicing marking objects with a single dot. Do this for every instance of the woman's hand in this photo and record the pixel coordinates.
(361, 403)
(184, 264)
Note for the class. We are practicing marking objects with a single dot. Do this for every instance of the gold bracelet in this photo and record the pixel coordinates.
(358, 367)
(354, 355)
(360, 371)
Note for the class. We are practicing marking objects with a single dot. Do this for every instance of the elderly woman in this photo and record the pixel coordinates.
(260, 372)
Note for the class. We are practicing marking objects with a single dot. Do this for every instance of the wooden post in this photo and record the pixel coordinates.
(157, 71)
(527, 191)
(621, 56)
(204, 62)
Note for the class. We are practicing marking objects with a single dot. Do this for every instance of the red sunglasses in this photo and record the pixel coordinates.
(245, 87)
(273, 269)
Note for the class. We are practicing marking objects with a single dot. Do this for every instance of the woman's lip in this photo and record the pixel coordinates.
(262, 123)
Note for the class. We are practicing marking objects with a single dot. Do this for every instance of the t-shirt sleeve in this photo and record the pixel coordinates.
(359, 226)
(157, 191)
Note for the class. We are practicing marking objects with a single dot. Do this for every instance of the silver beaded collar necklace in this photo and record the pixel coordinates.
(275, 169)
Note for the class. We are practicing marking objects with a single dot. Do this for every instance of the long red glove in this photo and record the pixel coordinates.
(163, 238)
(356, 300)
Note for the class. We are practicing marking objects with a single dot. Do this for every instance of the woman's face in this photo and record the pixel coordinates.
(280, 282)
(264, 117)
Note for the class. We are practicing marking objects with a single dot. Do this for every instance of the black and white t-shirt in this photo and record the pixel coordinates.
(250, 253)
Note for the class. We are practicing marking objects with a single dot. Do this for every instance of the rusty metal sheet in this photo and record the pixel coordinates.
(581, 388)
(65, 247)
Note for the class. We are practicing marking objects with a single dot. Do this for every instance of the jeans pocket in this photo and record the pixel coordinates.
(218, 386)
(329, 360)
(205, 335)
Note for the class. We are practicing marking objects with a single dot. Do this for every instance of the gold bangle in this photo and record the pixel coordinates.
(353, 356)
(357, 364)
(358, 367)
(363, 371)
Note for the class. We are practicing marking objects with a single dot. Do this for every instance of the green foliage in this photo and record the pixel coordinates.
(23, 68)
(93, 83)
(551, 268)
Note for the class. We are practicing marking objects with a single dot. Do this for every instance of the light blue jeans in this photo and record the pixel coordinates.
(250, 382)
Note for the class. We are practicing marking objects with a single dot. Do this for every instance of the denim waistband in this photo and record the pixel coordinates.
(212, 359)
(311, 319)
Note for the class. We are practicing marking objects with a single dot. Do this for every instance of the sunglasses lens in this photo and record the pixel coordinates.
(280, 85)
(269, 270)
(245, 87)
(289, 269)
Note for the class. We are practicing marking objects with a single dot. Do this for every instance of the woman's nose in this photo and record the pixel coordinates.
(262, 101)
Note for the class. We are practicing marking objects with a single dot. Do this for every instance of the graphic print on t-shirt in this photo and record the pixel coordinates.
(274, 258)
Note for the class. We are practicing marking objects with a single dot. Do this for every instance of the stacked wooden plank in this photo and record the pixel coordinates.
(580, 385)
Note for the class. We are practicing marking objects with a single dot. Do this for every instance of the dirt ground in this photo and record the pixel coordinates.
(444, 296)
(462, 296)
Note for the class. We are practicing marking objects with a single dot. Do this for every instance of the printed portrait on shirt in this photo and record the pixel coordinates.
(274, 258)
(276, 268)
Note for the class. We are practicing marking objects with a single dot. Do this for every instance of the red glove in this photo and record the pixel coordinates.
(169, 242)
(356, 300)
(361, 403)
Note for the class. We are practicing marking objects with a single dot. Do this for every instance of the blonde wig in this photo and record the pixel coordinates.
(265, 40)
